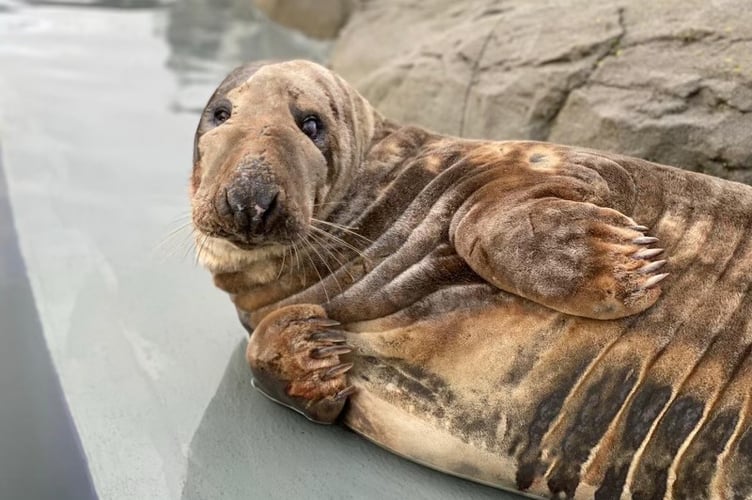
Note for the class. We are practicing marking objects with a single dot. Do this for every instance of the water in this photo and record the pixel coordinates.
(98, 104)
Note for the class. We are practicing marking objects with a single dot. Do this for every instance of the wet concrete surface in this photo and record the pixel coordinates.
(98, 106)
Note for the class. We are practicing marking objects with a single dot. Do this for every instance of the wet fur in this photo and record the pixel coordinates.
(473, 303)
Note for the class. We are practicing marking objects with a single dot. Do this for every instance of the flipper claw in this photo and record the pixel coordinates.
(336, 371)
(653, 280)
(653, 266)
(328, 336)
(334, 350)
(324, 322)
(646, 253)
(344, 393)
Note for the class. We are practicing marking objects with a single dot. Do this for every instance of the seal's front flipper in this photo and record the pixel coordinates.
(294, 354)
(574, 257)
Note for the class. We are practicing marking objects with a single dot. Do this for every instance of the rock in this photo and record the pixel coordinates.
(319, 19)
(668, 81)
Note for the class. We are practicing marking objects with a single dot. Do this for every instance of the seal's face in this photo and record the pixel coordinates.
(270, 147)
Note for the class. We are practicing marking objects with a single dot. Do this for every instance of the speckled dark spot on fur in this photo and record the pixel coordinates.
(527, 447)
(476, 426)
(602, 401)
(492, 427)
(418, 390)
(613, 483)
(418, 372)
(431, 395)
(525, 475)
(740, 473)
(695, 472)
(645, 408)
(537, 158)
(647, 404)
(424, 390)
(676, 424)
(522, 362)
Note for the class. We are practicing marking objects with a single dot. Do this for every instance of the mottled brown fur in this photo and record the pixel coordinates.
(505, 317)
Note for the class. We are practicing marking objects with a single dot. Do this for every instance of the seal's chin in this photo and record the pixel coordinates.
(220, 255)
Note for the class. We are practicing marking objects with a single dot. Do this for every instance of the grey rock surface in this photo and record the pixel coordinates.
(667, 81)
(319, 19)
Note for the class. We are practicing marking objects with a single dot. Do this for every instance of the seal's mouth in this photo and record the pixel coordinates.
(252, 209)
(251, 229)
(246, 243)
(251, 241)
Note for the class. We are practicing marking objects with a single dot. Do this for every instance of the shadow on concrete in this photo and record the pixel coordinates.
(40, 452)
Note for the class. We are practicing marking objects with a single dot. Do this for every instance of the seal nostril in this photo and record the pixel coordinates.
(271, 213)
(222, 204)
(270, 209)
(227, 206)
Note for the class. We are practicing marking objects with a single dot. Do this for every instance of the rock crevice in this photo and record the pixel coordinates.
(610, 47)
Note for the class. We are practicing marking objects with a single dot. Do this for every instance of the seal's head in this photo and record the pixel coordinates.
(277, 144)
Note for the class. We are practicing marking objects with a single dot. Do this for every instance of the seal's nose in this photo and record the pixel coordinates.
(253, 207)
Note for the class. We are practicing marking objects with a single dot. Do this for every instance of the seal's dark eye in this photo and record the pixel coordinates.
(221, 114)
(311, 127)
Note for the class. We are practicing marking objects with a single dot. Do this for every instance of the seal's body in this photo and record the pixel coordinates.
(496, 310)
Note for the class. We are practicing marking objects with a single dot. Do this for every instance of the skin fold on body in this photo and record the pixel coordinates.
(556, 320)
